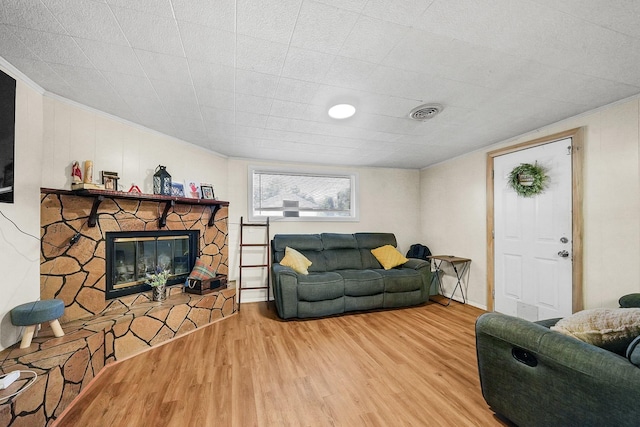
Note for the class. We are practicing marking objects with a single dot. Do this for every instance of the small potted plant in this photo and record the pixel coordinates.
(158, 281)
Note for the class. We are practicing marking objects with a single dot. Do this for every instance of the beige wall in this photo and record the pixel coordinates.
(452, 212)
(73, 132)
(21, 253)
(453, 203)
(389, 202)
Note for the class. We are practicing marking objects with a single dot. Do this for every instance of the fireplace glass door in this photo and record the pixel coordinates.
(131, 257)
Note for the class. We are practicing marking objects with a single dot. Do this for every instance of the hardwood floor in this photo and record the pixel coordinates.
(414, 366)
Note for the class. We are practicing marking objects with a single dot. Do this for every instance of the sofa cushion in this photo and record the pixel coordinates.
(318, 262)
(375, 240)
(610, 328)
(388, 256)
(294, 259)
(309, 245)
(339, 241)
(320, 308)
(368, 302)
(202, 271)
(361, 282)
(402, 299)
(368, 260)
(320, 286)
(300, 242)
(368, 241)
(401, 280)
(342, 259)
(341, 251)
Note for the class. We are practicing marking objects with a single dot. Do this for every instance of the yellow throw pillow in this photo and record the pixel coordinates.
(388, 256)
(294, 259)
(609, 328)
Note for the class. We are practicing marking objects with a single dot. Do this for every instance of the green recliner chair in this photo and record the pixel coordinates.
(534, 376)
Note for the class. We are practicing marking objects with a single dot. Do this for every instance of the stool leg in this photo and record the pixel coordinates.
(27, 336)
(56, 328)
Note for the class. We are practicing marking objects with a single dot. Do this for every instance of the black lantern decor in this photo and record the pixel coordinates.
(162, 181)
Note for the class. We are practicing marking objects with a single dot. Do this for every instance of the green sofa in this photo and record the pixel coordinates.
(344, 276)
(534, 376)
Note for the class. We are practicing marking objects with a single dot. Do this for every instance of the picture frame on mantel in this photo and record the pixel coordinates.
(177, 189)
(110, 180)
(192, 189)
(207, 191)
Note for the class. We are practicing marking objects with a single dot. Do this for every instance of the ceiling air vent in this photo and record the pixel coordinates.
(425, 112)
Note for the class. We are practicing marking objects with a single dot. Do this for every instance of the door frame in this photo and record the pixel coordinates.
(577, 220)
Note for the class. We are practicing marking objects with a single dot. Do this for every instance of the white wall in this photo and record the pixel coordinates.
(73, 132)
(453, 210)
(453, 201)
(389, 202)
(20, 260)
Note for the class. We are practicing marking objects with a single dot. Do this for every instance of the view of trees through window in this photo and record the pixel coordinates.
(315, 195)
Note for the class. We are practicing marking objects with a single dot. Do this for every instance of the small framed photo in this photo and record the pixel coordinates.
(110, 180)
(207, 191)
(177, 189)
(192, 189)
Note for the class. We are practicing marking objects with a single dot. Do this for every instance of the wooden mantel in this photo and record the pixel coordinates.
(169, 201)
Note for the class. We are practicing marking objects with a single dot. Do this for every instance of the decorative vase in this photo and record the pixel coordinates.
(159, 293)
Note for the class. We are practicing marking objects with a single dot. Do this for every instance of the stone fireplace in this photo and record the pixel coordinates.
(75, 227)
(132, 255)
(76, 273)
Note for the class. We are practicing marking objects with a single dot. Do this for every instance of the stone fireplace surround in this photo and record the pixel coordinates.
(76, 274)
(100, 331)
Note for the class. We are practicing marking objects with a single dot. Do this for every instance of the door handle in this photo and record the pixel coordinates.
(563, 254)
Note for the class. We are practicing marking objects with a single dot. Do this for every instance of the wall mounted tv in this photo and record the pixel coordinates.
(7, 136)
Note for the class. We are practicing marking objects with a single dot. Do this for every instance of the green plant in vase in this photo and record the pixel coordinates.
(158, 281)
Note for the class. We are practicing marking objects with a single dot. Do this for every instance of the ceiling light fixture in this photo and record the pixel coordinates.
(342, 111)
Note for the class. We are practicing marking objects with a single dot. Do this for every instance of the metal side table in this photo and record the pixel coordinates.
(460, 267)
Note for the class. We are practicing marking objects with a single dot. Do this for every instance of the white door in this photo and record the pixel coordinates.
(532, 243)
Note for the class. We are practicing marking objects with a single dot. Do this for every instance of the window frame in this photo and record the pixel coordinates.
(352, 176)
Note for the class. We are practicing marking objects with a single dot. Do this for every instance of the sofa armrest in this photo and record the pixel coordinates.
(417, 264)
(630, 300)
(424, 268)
(565, 382)
(547, 323)
(281, 269)
(284, 282)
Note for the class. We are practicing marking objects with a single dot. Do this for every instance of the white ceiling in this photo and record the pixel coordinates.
(254, 78)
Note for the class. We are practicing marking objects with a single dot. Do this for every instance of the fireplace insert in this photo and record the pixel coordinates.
(132, 255)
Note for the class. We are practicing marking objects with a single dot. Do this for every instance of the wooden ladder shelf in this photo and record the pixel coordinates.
(243, 266)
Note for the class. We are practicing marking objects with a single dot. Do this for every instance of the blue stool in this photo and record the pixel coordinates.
(32, 314)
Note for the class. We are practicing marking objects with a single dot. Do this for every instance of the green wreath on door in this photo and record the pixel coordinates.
(528, 179)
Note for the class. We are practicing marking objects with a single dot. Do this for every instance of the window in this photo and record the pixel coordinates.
(302, 196)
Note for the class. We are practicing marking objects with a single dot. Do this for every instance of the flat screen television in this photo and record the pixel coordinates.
(7, 136)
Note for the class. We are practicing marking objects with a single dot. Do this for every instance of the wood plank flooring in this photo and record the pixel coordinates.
(413, 366)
